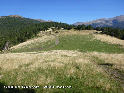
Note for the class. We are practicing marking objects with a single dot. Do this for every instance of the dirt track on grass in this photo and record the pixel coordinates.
(55, 43)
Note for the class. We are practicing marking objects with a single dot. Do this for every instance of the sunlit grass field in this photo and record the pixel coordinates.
(86, 43)
(74, 62)
(83, 43)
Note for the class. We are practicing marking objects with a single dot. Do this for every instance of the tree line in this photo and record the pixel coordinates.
(116, 32)
(16, 30)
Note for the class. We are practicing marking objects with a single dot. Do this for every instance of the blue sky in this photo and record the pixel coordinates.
(68, 11)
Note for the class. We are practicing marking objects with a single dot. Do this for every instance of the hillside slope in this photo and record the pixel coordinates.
(12, 26)
(16, 29)
(79, 63)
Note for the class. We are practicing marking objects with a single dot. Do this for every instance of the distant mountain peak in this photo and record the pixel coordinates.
(15, 16)
(117, 21)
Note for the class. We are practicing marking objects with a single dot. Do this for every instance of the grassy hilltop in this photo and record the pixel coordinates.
(88, 62)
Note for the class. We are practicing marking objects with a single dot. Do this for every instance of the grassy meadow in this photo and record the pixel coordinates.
(76, 60)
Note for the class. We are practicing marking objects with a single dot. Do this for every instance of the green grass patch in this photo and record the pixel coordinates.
(86, 43)
(83, 43)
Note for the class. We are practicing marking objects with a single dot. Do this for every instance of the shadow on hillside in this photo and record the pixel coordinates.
(14, 90)
(106, 64)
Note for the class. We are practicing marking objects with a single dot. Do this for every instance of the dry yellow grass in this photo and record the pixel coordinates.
(35, 41)
(109, 39)
(81, 32)
(116, 59)
(54, 58)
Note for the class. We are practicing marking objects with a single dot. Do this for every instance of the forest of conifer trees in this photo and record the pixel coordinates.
(16, 30)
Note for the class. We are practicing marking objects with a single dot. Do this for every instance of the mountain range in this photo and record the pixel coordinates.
(116, 22)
